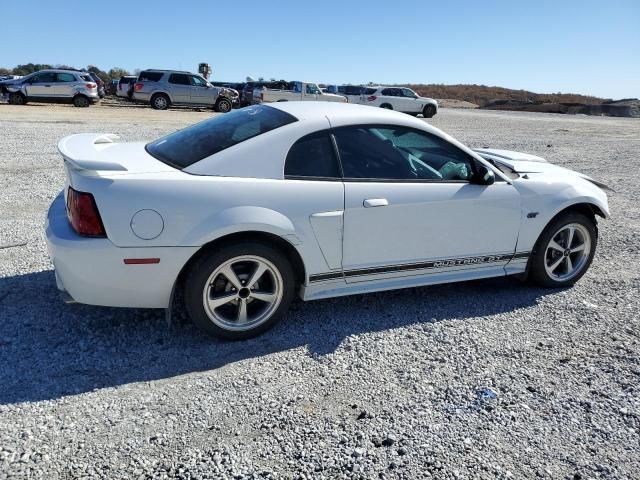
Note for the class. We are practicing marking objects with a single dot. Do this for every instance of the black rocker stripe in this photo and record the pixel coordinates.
(445, 263)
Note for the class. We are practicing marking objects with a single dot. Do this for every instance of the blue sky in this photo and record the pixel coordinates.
(589, 47)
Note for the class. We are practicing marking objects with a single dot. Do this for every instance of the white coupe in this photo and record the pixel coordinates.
(244, 210)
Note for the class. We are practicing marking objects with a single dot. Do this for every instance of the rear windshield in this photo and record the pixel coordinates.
(127, 79)
(192, 144)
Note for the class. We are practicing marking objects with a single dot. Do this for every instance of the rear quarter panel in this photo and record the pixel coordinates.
(199, 209)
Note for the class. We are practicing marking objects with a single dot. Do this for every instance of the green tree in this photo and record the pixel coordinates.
(29, 68)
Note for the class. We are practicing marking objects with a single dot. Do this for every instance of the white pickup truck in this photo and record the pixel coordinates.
(300, 91)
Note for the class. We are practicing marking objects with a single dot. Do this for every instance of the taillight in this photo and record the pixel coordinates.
(91, 85)
(83, 214)
(138, 86)
(371, 98)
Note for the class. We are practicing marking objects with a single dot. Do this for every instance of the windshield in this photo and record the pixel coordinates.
(190, 145)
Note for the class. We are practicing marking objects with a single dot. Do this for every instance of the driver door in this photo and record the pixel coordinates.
(202, 92)
(42, 85)
(411, 104)
(411, 207)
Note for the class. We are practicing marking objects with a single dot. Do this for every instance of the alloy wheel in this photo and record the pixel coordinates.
(242, 293)
(567, 252)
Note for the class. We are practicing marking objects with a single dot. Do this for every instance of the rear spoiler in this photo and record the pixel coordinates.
(81, 153)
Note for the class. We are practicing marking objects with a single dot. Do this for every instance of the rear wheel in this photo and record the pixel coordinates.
(80, 101)
(239, 291)
(160, 101)
(223, 105)
(564, 251)
(387, 106)
(17, 99)
(428, 111)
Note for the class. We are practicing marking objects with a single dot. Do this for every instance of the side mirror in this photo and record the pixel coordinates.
(485, 176)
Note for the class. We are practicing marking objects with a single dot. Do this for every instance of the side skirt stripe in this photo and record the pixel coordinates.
(445, 263)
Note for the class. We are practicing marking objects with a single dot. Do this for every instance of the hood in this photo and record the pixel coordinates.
(524, 163)
(12, 81)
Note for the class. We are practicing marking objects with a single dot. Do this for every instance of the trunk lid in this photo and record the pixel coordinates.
(97, 155)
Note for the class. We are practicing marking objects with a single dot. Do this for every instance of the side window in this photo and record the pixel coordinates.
(179, 79)
(312, 156)
(391, 152)
(198, 81)
(67, 77)
(149, 77)
(408, 93)
(388, 92)
(45, 78)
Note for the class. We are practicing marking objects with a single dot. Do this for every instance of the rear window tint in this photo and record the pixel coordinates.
(127, 80)
(192, 144)
(86, 78)
(150, 76)
(369, 91)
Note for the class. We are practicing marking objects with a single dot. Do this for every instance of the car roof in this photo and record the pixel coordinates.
(160, 70)
(346, 113)
(263, 156)
(59, 70)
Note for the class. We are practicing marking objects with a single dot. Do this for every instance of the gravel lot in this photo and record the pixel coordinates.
(489, 379)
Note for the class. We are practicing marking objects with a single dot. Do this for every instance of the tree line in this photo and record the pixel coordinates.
(113, 74)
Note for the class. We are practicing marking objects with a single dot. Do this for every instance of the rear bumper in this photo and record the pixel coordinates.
(141, 97)
(92, 270)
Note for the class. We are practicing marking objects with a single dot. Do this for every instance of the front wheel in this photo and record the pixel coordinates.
(223, 105)
(16, 99)
(564, 251)
(429, 111)
(239, 291)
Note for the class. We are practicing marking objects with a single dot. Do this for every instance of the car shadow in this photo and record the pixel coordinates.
(49, 349)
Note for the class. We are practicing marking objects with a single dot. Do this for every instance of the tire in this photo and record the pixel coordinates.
(223, 105)
(429, 111)
(17, 99)
(206, 282)
(81, 101)
(160, 101)
(386, 106)
(549, 265)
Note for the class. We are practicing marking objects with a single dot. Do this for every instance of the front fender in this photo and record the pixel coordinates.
(240, 219)
(542, 201)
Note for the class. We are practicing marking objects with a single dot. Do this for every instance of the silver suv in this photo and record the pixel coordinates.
(54, 86)
(163, 88)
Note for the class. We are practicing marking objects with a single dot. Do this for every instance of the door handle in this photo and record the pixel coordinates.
(48, 86)
(375, 202)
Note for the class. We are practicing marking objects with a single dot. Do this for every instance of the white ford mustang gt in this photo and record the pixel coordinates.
(245, 209)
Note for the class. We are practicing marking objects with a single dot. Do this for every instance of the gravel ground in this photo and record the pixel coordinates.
(488, 379)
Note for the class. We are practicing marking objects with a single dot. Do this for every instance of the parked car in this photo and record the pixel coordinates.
(123, 85)
(353, 93)
(52, 86)
(112, 87)
(246, 95)
(400, 99)
(101, 90)
(300, 91)
(163, 88)
(242, 211)
(235, 89)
